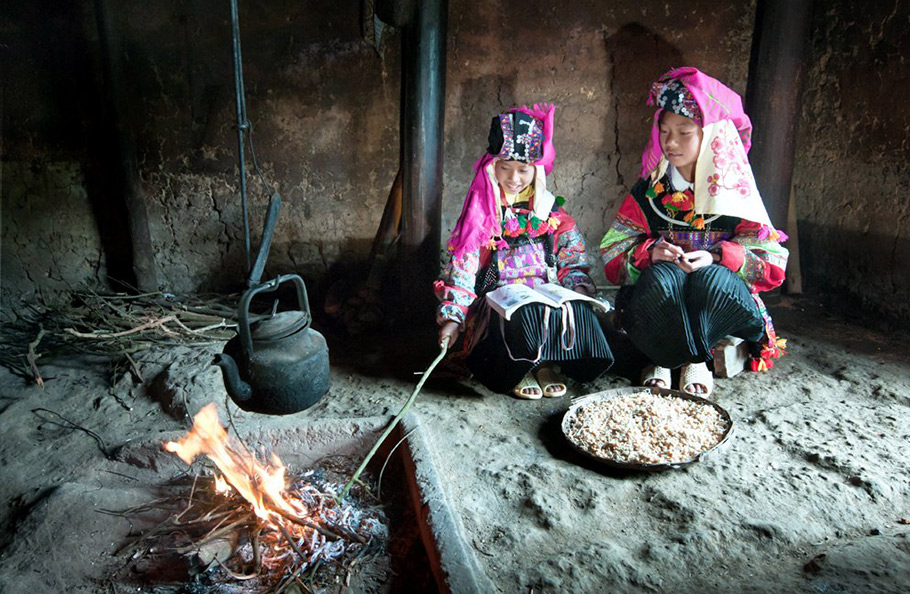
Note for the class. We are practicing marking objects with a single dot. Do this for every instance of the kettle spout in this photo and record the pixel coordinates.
(237, 389)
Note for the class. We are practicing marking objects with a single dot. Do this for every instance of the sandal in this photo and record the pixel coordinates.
(526, 388)
(552, 386)
(653, 374)
(696, 374)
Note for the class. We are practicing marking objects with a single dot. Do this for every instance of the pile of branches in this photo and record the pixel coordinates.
(224, 547)
(111, 325)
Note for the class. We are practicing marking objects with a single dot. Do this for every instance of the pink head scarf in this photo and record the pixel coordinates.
(724, 183)
(479, 220)
(715, 100)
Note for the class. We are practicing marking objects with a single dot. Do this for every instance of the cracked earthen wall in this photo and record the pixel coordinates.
(322, 86)
(595, 61)
(853, 156)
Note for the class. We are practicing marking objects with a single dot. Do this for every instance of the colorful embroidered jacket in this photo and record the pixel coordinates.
(655, 212)
(521, 258)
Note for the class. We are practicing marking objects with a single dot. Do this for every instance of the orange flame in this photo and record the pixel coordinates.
(263, 485)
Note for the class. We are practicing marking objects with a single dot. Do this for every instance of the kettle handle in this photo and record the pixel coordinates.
(243, 313)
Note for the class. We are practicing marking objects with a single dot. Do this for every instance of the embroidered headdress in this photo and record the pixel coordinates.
(516, 136)
(522, 134)
(724, 183)
(675, 97)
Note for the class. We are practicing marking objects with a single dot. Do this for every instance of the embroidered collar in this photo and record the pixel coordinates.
(521, 218)
(679, 206)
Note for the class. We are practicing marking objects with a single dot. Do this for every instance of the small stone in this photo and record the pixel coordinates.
(814, 566)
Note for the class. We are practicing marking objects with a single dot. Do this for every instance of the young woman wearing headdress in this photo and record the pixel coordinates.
(692, 245)
(513, 230)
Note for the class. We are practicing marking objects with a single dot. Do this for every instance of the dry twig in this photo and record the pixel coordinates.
(109, 325)
(150, 324)
(33, 357)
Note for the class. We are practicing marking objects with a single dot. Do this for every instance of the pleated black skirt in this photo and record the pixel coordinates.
(676, 318)
(510, 349)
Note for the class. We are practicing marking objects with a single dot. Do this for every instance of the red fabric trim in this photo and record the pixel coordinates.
(641, 257)
(614, 269)
(771, 276)
(632, 211)
(566, 223)
(732, 255)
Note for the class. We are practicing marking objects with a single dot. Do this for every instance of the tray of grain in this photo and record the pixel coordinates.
(649, 429)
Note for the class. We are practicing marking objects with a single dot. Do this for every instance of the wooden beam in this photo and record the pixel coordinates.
(776, 72)
(422, 123)
(144, 269)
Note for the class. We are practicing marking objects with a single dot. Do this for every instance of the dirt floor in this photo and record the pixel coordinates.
(812, 494)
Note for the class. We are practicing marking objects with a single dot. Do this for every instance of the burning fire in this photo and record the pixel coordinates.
(262, 485)
(302, 524)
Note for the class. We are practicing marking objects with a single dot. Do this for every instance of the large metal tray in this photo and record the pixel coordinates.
(583, 401)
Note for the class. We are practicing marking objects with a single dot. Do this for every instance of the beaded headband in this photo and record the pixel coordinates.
(675, 97)
(516, 136)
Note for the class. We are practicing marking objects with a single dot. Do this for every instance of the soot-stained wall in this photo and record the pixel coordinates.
(853, 156)
(595, 61)
(322, 85)
(323, 93)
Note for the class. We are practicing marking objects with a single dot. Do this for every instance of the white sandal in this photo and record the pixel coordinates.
(655, 373)
(552, 386)
(693, 375)
(528, 383)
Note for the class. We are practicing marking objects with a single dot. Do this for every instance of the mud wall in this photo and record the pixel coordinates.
(322, 85)
(50, 234)
(322, 92)
(854, 156)
(595, 61)
(322, 89)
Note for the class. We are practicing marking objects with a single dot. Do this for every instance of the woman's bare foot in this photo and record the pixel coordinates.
(528, 388)
(696, 379)
(553, 386)
(655, 376)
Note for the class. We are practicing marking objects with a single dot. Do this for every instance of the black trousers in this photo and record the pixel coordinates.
(676, 318)
(510, 349)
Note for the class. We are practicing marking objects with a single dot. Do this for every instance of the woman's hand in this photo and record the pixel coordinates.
(663, 251)
(450, 331)
(585, 289)
(692, 261)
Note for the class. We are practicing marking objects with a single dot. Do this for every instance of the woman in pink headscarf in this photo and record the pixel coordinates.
(692, 244)
(512, 230)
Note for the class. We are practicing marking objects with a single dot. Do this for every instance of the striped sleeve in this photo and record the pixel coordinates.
(624, 248)
(759, 260)
(455, 287)
(572, 260)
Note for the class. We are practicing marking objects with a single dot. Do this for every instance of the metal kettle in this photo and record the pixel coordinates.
(278, 365)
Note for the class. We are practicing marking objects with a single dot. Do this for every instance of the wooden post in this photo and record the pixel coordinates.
(145, 270)
(793, 284)
(423, 112)
(776, 70)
